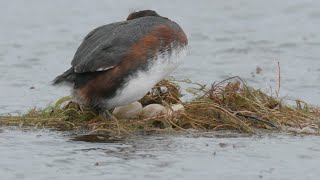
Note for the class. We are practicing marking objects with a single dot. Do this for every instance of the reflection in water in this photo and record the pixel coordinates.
(103, 138)
(43, 154)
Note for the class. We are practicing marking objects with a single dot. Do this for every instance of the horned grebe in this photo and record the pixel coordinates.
(118, 63)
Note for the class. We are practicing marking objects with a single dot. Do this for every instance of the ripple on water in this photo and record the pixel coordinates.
(16, 84)
(288, 45)
(314, 15)
(223, 39)
(23, 65)
(41, 53)
(33, 59)
(199, 36)
(234, 51)
(297, 7)
(17, 45)
(316, 44)
(259, 42)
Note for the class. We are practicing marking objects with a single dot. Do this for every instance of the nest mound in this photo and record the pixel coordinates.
(227, 105)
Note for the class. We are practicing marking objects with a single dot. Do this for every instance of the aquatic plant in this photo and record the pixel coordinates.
(227, 105)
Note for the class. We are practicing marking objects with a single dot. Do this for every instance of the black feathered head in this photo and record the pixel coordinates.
(143, 13)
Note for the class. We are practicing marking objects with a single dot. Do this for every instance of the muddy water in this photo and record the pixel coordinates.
(237, 37)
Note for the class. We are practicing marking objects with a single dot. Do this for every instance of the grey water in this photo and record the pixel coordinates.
(43, 154)
(245, 38)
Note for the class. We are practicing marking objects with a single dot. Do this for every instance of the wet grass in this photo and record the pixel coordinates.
(228, 105)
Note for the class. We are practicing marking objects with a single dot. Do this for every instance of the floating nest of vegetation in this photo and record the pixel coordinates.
(228, 105)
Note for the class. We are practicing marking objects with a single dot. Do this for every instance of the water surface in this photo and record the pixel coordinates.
(38, 39)
(44, 154)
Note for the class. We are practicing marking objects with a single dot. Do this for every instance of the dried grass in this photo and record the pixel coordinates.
(227, 105)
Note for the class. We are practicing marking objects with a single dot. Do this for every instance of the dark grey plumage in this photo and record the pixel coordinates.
(105, 46)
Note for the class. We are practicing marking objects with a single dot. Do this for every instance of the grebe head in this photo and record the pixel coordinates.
(143, 13)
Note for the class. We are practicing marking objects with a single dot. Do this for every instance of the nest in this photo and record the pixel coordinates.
(228, 105)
